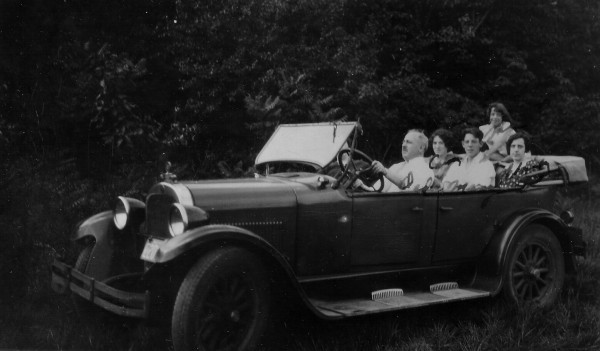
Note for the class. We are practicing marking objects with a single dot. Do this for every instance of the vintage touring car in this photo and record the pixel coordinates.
(212, 257)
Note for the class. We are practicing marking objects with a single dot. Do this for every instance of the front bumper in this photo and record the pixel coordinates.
(123, 303)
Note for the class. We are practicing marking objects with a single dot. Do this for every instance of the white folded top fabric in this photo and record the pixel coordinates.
(574, 165)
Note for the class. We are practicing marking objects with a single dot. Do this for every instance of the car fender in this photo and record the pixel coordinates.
(220, 234)
(209, 237)
(494, 256)
(101, 228)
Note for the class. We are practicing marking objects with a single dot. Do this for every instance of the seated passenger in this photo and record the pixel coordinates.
(497, 132)
(442, 141)
(412, 174)
(474, 171)
(518, 148)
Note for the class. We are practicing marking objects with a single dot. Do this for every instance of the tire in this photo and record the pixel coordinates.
(222, 304)
(534, 271)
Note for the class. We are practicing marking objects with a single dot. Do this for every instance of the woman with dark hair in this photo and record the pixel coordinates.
(497, 132)
(442, 143)
(518, 148)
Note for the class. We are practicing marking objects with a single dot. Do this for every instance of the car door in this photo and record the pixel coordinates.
(465, 221)
(390, 228)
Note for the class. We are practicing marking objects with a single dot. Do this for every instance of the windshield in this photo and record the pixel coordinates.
(316, 143)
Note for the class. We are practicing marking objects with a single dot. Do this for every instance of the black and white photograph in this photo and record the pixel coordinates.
(307, 175)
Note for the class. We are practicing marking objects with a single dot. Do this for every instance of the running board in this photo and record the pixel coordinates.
(396, 299)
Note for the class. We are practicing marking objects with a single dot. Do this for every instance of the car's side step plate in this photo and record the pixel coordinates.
(382, 301)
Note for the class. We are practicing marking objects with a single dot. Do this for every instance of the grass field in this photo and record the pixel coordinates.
(39, 319)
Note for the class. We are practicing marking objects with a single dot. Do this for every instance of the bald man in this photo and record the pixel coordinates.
(413, 148)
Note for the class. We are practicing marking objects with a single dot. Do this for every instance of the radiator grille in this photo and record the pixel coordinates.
(157, 214)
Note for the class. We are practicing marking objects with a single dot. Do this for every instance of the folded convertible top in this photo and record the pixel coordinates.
(573, 165)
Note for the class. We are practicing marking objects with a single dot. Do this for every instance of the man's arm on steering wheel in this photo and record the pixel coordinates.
(388, 173)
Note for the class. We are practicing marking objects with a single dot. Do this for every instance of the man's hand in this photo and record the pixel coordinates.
(379, 168)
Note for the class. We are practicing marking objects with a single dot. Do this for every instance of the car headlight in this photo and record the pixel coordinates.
(127, 210)
(182, 218)
(178, 220)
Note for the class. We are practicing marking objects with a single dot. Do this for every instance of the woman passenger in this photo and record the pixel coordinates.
(442, 142)
(518, 147)
(497, 132)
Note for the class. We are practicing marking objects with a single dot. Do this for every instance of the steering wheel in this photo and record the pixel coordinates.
(359, 168)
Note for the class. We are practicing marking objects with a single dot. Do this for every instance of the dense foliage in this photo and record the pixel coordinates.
(112, 83)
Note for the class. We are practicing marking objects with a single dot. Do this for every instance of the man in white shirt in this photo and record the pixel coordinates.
(475, 171)
(414, 173)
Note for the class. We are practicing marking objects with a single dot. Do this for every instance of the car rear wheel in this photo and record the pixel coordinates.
(222, 304)
(535, 268)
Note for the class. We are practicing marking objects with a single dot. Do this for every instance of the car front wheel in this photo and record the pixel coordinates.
(222, 304)
(534, 270)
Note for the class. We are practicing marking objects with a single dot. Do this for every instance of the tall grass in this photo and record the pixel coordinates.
(33, 317)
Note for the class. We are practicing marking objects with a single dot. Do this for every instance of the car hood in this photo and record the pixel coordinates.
(236, 194)
(266, 206)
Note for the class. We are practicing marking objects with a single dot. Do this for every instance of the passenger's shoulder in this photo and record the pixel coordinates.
(489, 164)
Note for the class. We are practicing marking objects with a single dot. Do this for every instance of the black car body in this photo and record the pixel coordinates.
(210, 255)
